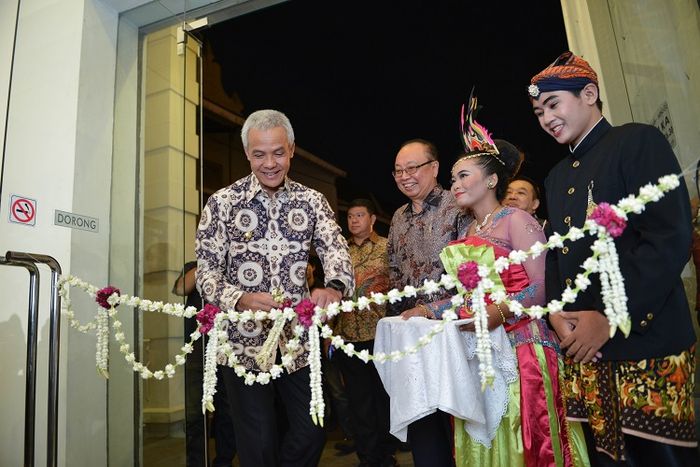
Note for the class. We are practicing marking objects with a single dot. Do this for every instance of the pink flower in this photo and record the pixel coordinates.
(305, 312)
(468, 274)
(103, 294)
(604, 215)
(206, 316)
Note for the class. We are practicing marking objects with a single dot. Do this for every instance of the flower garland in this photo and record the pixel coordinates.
(108, 298)
(606, 222)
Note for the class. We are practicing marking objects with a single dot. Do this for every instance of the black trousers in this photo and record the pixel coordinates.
(255, 421)
(641, 452)
(431, 441)
(369, 407)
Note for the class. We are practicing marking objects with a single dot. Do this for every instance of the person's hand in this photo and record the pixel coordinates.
(326, 347)
(562, 326)
(494, 320)
(420, 311)
(325, 296)
(255, 301)
(591, 330)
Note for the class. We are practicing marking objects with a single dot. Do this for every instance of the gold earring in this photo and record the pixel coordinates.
(489, 185)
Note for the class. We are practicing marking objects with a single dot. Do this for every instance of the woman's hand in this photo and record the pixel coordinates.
(420, 310)
(494, 320)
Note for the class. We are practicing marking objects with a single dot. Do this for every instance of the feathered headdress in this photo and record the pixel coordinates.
(476, 138)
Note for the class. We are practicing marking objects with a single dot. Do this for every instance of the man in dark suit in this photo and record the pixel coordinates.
(636, 393)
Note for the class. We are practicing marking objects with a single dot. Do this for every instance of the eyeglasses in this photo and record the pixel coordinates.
(409, 170)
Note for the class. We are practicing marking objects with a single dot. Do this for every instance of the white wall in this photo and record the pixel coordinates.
(59, 153)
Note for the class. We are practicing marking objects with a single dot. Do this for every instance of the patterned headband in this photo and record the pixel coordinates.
(567, 73)
(476, 138)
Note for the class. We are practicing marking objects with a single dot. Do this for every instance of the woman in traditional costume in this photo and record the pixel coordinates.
(533, 430)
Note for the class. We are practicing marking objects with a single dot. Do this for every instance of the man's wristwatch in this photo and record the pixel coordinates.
(336, 284)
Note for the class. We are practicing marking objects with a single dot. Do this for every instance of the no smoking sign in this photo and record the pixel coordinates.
(22, 210)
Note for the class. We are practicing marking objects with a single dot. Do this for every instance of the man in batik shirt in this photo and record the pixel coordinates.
(419, 230)
(368, 401)
(252, 248)
(636, 393)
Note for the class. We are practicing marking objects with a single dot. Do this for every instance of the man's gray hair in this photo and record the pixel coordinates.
(266, 120)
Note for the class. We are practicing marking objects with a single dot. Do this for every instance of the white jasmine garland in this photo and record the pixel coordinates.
(536, 249)
(378, 298)
(337, 342)
(363, 303)
(449, 315)
(429, 286)
(591, 264)
(631, 204)
(317, 405)
(102, 354)
(483, 340)
(501, 264)
(394, 296)
(555, 241)
(349, 348)
(575, 234)
(517, 256)
(669, 182)
(364, 355)
(603, 261)
(287, 360)
(292, 345)
(569, 296)
(333, 309)
(650, 192)
(516, 308)
(448, 282)
(582, 282)
(498, 296)
(536, 311)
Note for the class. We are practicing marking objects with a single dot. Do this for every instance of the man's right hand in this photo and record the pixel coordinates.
(591, 330)
(255, 301)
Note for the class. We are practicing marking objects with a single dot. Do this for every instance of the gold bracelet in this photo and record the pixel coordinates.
(425, 309)
(503, 317)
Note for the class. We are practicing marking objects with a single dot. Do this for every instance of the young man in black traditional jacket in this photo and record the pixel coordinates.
(636, 393)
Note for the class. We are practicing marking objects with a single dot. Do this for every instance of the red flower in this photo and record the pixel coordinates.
(103, 294)
(604, 215)
(305, 312)
(468, 274)
(206, 316)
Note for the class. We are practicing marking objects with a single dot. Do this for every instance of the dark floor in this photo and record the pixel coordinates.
(170, 452)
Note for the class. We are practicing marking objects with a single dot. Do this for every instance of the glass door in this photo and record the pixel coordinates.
(154, 422)
(173, 424)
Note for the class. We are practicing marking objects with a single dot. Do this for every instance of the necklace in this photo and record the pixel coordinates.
(480, 226)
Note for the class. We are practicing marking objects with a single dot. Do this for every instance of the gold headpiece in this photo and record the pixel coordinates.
(476, 138)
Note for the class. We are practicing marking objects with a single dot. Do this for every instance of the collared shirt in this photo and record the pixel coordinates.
(371, 262)
(250, 241)
(416, 239)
